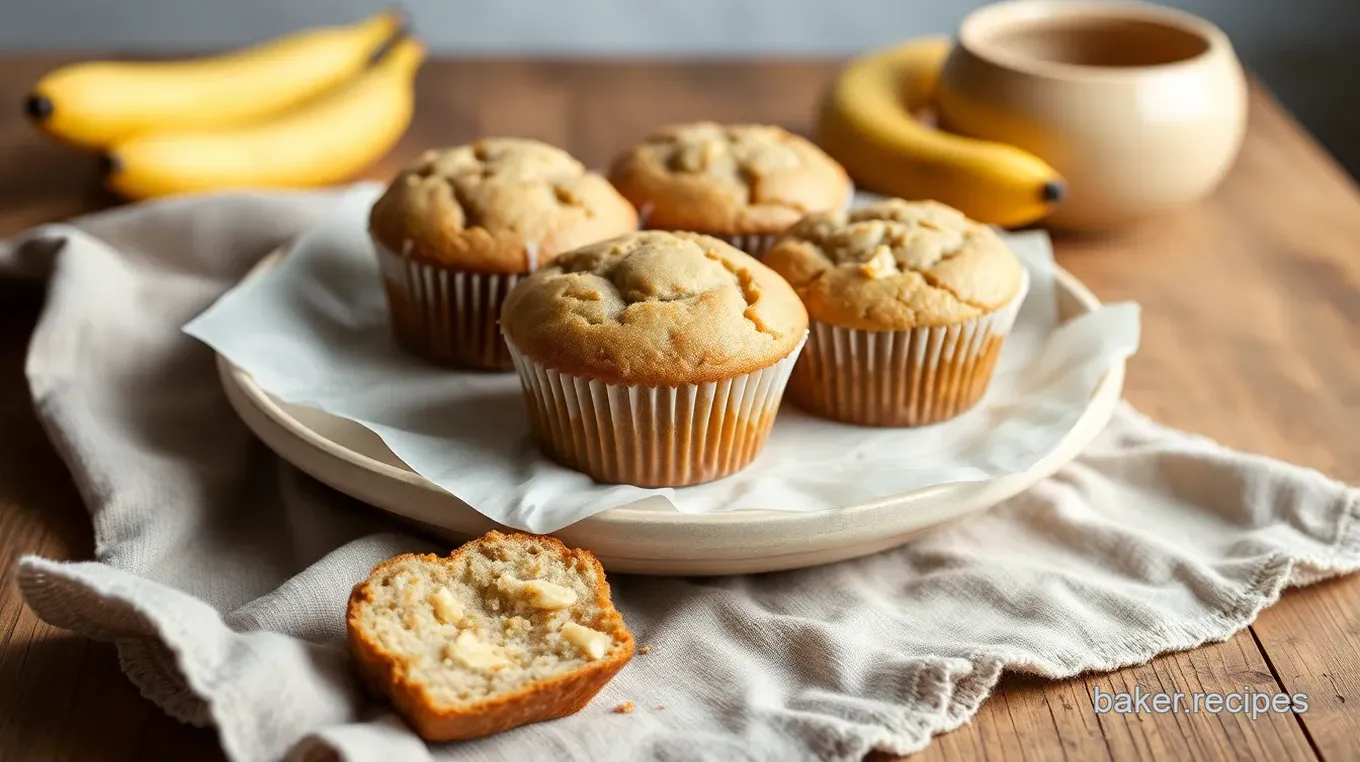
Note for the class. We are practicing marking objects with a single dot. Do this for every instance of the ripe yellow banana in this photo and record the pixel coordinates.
(92, 105)
(868, 124)
(319, 143)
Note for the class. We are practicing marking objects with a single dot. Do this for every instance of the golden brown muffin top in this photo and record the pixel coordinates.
(729, 179)
(499, 205)
(655, 309)
(896, 265)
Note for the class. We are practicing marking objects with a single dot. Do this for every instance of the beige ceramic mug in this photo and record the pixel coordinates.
(1141, 108)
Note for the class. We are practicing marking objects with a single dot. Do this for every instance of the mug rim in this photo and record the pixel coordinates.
(977, 26)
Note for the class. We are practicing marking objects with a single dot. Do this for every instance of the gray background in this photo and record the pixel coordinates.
(1307, 51)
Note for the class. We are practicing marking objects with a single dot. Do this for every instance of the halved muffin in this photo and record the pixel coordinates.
(509, 629)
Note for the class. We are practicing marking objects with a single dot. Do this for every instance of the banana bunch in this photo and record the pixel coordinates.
(304, 110)
(868, 122)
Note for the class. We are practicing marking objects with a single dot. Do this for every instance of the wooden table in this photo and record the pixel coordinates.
(1252, 336)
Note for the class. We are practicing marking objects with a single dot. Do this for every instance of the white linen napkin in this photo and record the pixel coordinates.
(222, 574)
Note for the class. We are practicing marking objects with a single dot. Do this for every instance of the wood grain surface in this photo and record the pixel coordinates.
(1251, 336)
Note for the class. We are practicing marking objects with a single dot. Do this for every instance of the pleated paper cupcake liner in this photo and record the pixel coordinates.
(652, 436)
(446, 315)
(755, 244)
(901, 378)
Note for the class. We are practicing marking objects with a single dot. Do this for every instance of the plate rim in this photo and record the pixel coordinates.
(1103, 400)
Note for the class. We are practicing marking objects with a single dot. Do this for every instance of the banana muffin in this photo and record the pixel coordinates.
(655, 359)
(507, 630)
(457, 229)
(909, 305)
(743, 183)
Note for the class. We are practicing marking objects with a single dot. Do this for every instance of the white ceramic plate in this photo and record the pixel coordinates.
(647, 537)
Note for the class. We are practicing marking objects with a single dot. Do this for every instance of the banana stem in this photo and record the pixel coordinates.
(402, 28)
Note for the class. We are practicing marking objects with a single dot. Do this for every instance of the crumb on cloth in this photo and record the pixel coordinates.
(626, 707)
(645, 650)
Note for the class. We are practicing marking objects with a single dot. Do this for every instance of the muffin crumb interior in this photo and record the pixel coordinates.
(494, 619)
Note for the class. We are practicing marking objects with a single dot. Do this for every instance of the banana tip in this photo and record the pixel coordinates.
(109, 165)
(38, 107)
(1054, 191)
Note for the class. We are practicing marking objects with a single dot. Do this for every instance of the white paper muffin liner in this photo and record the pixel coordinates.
(652, 436)
(901, 378)
(446, 315)
(755, 244)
